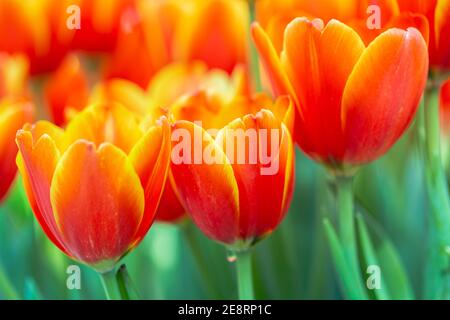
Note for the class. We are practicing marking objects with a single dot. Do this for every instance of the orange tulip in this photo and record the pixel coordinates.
(188, 90)
(15, 111)
(215, 32)
(95, 187)
(67, 89)
(30, 28)
(230, 201)
(438, 15)
(353, 102)
(142, 40)
(210, 96)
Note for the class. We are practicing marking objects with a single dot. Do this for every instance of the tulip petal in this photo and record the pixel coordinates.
(271, 63)
(209, 192)
(214, 33)
(36, 162)
(318, 62)
(150, 158)
(98, 202)
(383, 92)
(105, 123)
(12, 118)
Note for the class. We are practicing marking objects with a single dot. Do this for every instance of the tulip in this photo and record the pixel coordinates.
(357, 96)
(66, 90)
(438, 15)
(15, 111)
(95, 187)
(235, 202)
(141, 39)
(214, 32)
(350, 111)
(31, 28)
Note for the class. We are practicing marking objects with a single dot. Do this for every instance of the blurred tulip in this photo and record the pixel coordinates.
(13, 115)
(15, 111)
(215, 32)
(67, 89)
(178, 82)
(367, 108)
(95, 187)
(438, 14)
(141, 40)
(100, 22)
(30, 28)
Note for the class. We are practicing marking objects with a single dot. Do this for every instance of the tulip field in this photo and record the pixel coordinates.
(225, 149)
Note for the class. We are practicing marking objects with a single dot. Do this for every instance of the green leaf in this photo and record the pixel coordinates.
(394, 274)
(370, 256)
(346, 277)
(127, 288)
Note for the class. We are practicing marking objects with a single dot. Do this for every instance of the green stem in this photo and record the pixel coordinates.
(244, 274)
(127, 289)
(110, 285)
(437, 190)
(346, 218)
(347, 233)
(254, 61)
(201, 260)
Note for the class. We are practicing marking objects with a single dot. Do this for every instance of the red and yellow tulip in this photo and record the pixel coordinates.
(95, 187)
(233, 202)
(350, 111)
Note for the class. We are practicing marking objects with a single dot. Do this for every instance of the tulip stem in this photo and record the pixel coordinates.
(347, 233)
(244, 274)
(438, 193)
(110, 285)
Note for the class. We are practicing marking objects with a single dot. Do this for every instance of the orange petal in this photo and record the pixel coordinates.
(108, 122)
(37, 161)
(270, 60)
(67, 88)
(215, 32)
(383, 92)
(442, 27)
(209, 192)
(150, 158)
(13, 115)
(98, 203)
(318, 62)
